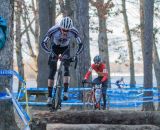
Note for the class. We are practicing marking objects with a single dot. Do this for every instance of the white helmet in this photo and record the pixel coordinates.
(66, 23)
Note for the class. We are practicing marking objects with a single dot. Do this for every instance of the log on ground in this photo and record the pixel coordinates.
(59, 126)
(97, 117)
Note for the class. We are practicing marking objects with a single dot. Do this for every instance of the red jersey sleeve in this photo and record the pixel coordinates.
(89, 72)
(105, 73)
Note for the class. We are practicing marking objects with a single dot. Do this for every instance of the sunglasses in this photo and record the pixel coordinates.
(64, 30)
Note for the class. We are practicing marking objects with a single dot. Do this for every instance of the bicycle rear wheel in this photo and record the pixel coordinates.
(90, 101)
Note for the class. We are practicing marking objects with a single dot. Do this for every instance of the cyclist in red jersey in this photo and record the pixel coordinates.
(100, 69)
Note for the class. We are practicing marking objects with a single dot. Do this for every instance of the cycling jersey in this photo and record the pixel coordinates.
(120, 83)
(55, 36)
(100, 70)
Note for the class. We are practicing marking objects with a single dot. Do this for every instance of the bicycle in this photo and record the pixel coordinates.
(94, 96)
(56, 101)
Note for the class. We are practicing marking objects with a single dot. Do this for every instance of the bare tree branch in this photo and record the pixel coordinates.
(62, 7)
(28, 26)
(26, 13)
(31, 66)
(93, 3)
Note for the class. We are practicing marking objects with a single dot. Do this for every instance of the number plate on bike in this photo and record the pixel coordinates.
(98, 86)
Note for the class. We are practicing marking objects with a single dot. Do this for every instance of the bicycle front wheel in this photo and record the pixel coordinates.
(57, 99)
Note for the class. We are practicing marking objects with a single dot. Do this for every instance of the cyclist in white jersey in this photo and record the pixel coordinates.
(59, 37)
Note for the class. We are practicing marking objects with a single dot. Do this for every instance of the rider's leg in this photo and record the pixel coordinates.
(65, 51)
(52, 71)
(104, 88)
(119, 86)
(50, 87)
(97, 81)
(66, 80)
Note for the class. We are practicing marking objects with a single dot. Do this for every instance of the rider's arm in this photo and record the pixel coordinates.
(76, 35)
(44, 44)
(80, 49)
(88, 73)
(105, 74)
(117, 82)
(47, 38)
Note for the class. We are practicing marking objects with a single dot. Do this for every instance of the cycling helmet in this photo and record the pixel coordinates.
(66, 23)
(97, 59)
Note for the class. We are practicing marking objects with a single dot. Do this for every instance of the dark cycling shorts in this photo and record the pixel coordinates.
(118, 84)
(104, 84)
(65, 51)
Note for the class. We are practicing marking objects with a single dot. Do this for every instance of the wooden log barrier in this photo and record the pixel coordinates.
(97, 117)
(60, 126)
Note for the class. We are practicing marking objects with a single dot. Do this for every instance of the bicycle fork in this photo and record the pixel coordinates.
(56, 101)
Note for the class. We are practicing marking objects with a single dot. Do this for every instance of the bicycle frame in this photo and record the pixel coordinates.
(96, 96)
(56, 102)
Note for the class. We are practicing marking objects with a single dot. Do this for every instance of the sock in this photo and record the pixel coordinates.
(50, 91)
(66, 87)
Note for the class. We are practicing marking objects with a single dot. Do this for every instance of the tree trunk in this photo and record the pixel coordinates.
(130, 45)
(71, 7)
(7, 115)
(44, 22)
(102, 38)
(37, 30)
(20, 64)
(6, 62)
(52, 12)
(156, 64)
(6, 54)
(36, 15)
(78, 11)
(148, 45)
(67, 9)
(142, 25)
(81, 19)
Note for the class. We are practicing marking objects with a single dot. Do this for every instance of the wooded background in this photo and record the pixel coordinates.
(29, 20)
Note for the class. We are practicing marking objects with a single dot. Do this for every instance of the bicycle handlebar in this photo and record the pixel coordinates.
(89, 82)
(93, 84)
(70, 59)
